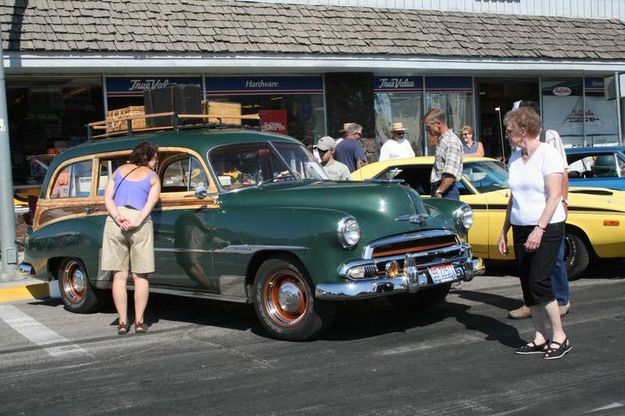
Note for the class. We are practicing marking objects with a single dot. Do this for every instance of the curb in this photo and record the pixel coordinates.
(32, 291)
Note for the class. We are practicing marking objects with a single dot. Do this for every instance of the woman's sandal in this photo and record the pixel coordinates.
(559, 352)
(122, 329)
(141, 328)
(532, 348)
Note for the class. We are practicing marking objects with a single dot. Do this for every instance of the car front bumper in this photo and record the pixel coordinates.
(413, 281)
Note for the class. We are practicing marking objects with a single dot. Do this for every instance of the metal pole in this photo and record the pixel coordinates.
(503, 152)
(7, 214)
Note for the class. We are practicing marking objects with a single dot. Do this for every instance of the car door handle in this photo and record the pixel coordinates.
(89, 210)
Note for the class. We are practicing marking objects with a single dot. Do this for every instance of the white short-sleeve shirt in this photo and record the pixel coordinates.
(527, 183)
(396, 149)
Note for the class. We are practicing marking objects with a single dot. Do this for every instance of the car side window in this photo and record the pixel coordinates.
(73, 181)
(605, 166)
(417, 177)
(108, 165)
(183, 174)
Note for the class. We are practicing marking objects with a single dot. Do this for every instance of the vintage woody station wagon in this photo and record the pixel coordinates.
(247, 216)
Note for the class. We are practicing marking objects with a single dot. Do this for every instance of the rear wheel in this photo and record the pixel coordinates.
(285, 302)
(576, 255)
(76, 291)
(423, 299)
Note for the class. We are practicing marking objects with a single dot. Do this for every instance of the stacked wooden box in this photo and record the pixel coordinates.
(116, 119)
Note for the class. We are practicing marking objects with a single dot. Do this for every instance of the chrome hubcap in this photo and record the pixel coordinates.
(74, 281)
(290, 297)
(285, 298)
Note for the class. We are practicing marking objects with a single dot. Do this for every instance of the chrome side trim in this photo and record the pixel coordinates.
(419, 235)
(251, 249)
(179, 292)
(180, 250)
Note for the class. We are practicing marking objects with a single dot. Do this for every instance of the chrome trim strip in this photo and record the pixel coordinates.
(180, 250)
(251, 249)
(385, 286)
(419, 235)
(178, 292)
(413, 218)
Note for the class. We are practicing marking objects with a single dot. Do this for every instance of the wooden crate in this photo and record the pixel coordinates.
(223, 110)
(115, 119)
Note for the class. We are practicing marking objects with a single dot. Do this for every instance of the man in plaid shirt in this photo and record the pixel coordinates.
(447, 169)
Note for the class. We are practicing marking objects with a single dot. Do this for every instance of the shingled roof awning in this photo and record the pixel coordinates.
(203, 28)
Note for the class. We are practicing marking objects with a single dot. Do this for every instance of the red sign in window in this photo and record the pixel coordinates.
(273, 120)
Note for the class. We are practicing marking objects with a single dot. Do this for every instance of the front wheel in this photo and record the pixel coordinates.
(76, 291)
(576, 255)
(285, 302)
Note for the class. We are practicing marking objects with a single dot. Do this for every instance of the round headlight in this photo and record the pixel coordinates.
(348, 232)
(464, 216)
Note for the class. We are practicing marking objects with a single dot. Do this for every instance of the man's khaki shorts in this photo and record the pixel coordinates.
(128, 250)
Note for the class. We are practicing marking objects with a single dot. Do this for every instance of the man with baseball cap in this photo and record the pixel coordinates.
(336, 170)
(397, 147)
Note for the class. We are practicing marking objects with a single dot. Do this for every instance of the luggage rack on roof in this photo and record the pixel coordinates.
(175, 123)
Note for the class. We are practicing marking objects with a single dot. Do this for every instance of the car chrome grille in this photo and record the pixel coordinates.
(414, 246)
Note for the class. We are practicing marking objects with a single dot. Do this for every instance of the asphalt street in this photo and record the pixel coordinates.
(213, 358)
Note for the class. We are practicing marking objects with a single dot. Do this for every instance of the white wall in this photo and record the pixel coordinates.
(596, 9)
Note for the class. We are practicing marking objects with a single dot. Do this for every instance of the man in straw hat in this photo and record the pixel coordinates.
(397, 147)
(344, 132)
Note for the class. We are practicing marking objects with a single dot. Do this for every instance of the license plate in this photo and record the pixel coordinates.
(442, 274)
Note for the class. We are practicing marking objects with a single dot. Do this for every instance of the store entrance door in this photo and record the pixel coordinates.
(500, 93)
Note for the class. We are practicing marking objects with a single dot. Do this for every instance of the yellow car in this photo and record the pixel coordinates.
(595, 226)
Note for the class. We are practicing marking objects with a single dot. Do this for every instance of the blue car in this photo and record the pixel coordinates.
(602, 167)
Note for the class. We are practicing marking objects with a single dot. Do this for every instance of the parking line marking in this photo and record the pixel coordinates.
(31, 329)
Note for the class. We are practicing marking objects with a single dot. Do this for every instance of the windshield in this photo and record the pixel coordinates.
(242, 165)
(486, 176)
(301, 161)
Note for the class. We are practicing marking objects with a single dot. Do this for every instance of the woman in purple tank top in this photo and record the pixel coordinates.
(128, 240)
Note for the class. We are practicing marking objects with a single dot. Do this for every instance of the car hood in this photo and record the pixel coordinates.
(383, 206)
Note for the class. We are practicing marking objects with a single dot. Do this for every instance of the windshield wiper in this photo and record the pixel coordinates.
(282, 175)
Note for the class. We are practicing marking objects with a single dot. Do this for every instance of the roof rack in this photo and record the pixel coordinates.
(176, 124)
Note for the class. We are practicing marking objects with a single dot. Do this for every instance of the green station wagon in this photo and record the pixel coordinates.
(246, 216)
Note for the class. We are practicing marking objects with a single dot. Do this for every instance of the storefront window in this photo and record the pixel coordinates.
(123, 92)
(289, 105)
(562, 109)
(399, 99)
(454, 95)
(601, 114)
(46, 116)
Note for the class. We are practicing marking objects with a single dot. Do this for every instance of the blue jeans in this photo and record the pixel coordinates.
(559, 278)
(451, 193)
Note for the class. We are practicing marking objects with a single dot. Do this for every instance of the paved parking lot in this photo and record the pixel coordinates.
(208, 357)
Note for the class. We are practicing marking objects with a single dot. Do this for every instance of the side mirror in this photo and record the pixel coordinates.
(200, 192)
